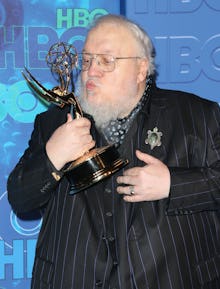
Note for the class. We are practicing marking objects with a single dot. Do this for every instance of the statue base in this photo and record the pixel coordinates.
(92, 167)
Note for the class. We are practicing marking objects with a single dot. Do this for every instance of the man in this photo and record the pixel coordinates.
(155, 223)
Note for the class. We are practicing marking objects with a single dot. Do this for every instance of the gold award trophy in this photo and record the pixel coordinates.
(97, 163)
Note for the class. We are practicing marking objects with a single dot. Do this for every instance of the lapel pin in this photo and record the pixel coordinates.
(153, 138)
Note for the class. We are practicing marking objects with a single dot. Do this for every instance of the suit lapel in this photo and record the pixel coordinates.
(156, 122)
(153, 115)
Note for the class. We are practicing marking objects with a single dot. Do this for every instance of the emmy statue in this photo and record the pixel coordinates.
(96, 164)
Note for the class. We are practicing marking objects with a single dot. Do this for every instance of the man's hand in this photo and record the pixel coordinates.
(69, 141)
(148, 183)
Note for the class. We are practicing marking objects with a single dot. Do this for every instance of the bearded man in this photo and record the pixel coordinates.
(155, 223)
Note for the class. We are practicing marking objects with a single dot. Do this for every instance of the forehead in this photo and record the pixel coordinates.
(109, 38)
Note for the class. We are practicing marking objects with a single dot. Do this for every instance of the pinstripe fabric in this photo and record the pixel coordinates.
(95, 240)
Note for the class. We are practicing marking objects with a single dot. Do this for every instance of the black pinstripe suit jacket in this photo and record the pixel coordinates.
(95, 240)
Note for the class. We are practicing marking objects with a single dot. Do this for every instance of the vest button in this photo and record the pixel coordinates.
(109, 214)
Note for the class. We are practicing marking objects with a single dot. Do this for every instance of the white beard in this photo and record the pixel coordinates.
(102, 114)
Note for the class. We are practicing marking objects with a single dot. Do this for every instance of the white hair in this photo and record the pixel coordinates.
(142, 38)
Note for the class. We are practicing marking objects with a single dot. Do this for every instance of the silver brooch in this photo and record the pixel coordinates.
(153, 138)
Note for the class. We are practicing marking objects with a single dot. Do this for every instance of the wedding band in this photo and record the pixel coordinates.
(131, 190)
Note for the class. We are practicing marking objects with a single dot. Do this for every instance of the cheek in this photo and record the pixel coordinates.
(123, 82)
(121, 87)
(128, 73)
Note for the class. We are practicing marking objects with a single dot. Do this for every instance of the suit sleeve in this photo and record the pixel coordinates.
(31, 183)
(197, 188)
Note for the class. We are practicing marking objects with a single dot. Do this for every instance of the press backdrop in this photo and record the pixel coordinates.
(186, 36)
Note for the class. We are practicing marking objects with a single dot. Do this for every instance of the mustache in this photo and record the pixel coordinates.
(94, 80)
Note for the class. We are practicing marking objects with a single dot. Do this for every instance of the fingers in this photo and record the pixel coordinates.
(148, 159)
(77, 128)
(135, 171)
(131, 198)
(149, 182)
(80, 138)
(126, 190)
(69, 141)
(78, 122)
(85, 148)
(127, 179)
(130, 193)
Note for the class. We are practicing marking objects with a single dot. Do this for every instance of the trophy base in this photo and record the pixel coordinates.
(92, 167)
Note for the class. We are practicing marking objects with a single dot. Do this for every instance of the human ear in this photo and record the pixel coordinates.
(142, 70)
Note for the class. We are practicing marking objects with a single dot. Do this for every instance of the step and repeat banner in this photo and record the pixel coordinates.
(185, 34)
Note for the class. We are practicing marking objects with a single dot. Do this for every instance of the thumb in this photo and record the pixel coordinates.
(148, 159)
(69, 117)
